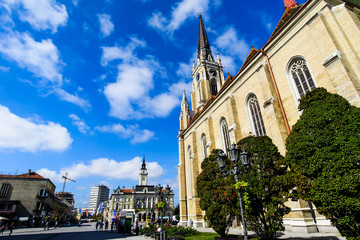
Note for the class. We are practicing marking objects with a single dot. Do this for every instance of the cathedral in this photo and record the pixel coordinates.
(315, 44)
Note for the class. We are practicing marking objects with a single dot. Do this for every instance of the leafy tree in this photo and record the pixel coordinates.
(323, 152)
(176, 212)
(218, 207)
(268, 185)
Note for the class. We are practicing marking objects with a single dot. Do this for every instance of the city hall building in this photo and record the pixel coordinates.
(315, 44)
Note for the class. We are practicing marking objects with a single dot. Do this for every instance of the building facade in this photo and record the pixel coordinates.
(314, 45)
(30, 196)
(142, 197)
(98, 194)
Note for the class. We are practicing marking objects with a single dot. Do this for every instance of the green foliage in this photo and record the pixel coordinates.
(180, 231)
(241, 186)
(176, 212)
(267, 186)
(219, 209)
(160, 205)
(323, 152)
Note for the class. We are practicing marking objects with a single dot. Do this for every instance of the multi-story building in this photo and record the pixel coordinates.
(315, 44)
(29, 195)
(98, 194)
(142, 196)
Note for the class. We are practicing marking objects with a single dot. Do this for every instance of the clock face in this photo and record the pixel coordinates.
(198, 77)
(213, 72)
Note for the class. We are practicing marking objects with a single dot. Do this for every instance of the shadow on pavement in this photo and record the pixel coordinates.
(93, 235)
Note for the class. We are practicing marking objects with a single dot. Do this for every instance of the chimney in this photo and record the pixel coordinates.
(29, 172)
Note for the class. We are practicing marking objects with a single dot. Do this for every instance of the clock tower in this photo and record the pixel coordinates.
(207, 73)
(143, 174)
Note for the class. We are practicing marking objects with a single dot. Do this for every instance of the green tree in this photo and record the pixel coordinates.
(324, 154)
(218, 207)
(269, 184)
(176, 212)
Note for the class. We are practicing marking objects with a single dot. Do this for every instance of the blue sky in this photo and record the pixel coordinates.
(88, 86)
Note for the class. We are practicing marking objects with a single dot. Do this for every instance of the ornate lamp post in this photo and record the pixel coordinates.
(245, 160)
(167, 192)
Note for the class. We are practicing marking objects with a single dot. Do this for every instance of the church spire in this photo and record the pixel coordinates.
(204, 51)
(143, 166)
(290, 4)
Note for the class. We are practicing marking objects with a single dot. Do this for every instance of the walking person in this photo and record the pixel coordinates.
(2, 229)
(106, 224)
(11, 227)
(101, 225)
(97, 225)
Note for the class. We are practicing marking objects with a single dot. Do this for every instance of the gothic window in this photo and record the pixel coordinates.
(189, 153)
(225, 134)
(213, 86)
(301, 77)
(203, 146)
(255, 116)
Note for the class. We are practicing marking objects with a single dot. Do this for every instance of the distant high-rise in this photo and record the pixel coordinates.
(98, 194)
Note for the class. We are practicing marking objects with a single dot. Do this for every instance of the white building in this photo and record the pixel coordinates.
(98, 194)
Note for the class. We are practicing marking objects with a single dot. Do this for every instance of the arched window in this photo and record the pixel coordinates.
(203, 146)
(256, 119)
(213, 86)
(301, 77)
(189, 157)
(225, 134)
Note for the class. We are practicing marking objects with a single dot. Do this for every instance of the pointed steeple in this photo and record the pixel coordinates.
(143, 166)
(204, 51)
(290, 4)
(184, 100)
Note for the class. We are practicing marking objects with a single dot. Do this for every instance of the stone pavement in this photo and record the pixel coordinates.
(86, 231)
(286, 235)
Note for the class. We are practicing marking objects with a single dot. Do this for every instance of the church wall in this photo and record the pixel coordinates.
(327, 38)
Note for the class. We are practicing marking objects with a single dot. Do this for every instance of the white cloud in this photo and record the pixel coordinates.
(234, 50)
(73, 98)
(181, 11)
(132, 132)
(40, 14)
(230, 44)
(104, 167)
(22, 134)
(4, 69)
(266, 20)
(40, 58)
(106, 26)
(130, 96)
(80, 124)
(75, 2)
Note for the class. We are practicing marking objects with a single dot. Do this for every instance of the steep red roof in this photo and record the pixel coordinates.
(251, 55)
(127, 191)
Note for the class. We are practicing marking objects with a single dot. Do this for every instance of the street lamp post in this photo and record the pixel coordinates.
(234, 156)
(158, 191)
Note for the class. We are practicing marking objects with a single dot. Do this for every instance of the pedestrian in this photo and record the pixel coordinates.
(79, 223)
(56, 222)
(11, 228)
(112, 226)
(101, 225)
(106, 224)
(2, 229)
(97, 225)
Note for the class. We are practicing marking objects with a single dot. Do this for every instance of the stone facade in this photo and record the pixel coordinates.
(30, 195)
(142, 197)
(316, 43)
